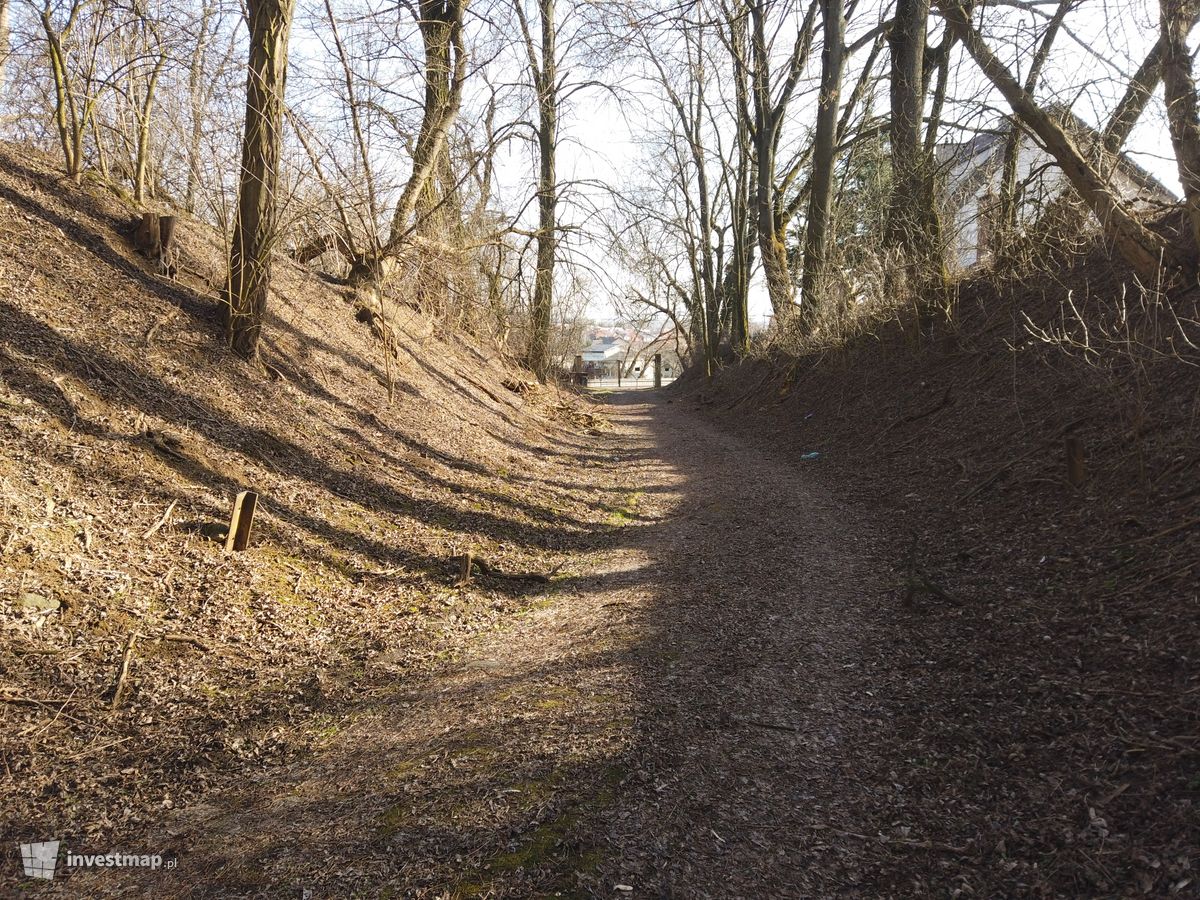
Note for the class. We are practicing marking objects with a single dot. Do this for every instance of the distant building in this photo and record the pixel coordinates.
(970, 187)
(603, 357)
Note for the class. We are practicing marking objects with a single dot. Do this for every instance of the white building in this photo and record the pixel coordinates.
(970, 188)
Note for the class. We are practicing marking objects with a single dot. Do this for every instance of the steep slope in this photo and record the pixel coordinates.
(126, 429)
(1044, 634)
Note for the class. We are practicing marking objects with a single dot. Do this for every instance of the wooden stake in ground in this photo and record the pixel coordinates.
(464, 575)
(658, 370)
(241, 521)
(1076, 470)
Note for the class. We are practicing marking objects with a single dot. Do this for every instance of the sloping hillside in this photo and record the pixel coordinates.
(1046, 685)
(126, 430)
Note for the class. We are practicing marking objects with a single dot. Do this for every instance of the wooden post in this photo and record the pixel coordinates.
(658, 370)
(241, 521)
(1076, 470)
(464, 572)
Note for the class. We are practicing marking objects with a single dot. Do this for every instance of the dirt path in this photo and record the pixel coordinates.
(692, 714)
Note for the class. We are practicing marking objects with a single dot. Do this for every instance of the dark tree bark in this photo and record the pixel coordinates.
(820, 197)
(254, 227)
(912, 218)
(543, 69)
(1180, 91)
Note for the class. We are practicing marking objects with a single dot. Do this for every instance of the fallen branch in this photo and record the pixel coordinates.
(900, 842)
(770, 725)
(188, 639)
(1182, 526)
(469, 562)
(479, 386)
(161, 522)
(123, 671)
(915, 417)
(1024, 456)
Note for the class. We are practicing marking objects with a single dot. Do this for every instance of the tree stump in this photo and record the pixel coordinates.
(147, 239)
(168, 249)
(154, 238)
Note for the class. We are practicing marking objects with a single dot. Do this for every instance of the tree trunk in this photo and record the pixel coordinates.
(442, 32)
(1180, 91)
(546, 81)
(1145, 251)
(1012, 144)
(737, 278)
(65, 120)
(436, 203)
(197, 96)
(3, 40)
(1066, 215)
(769, 112)
(254, 224)
(912, 217)
(142, 161)
(820, 192)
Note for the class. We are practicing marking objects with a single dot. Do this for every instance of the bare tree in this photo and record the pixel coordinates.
(820, 197)
(1012, 144)
(441, 26)
(4, 13)
(770, 104)
(542, 56)
(76, 87)
(254, 229)
(913, 222)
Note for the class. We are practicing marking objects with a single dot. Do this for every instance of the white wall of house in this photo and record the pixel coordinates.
(966, 218)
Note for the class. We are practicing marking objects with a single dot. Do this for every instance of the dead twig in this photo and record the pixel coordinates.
(188, 639)
(161, 522)
(123, 671)
(773, 726)
(469, 562)
(1182, 526)
(899, 842)
(1070, 426)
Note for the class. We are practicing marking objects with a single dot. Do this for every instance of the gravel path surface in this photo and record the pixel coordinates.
(690, 714)
(759, 709)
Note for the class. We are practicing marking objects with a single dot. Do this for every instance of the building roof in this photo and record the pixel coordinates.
(605, 348)
(979, 157)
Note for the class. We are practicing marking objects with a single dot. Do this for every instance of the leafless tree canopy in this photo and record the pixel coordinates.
(807, 155)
